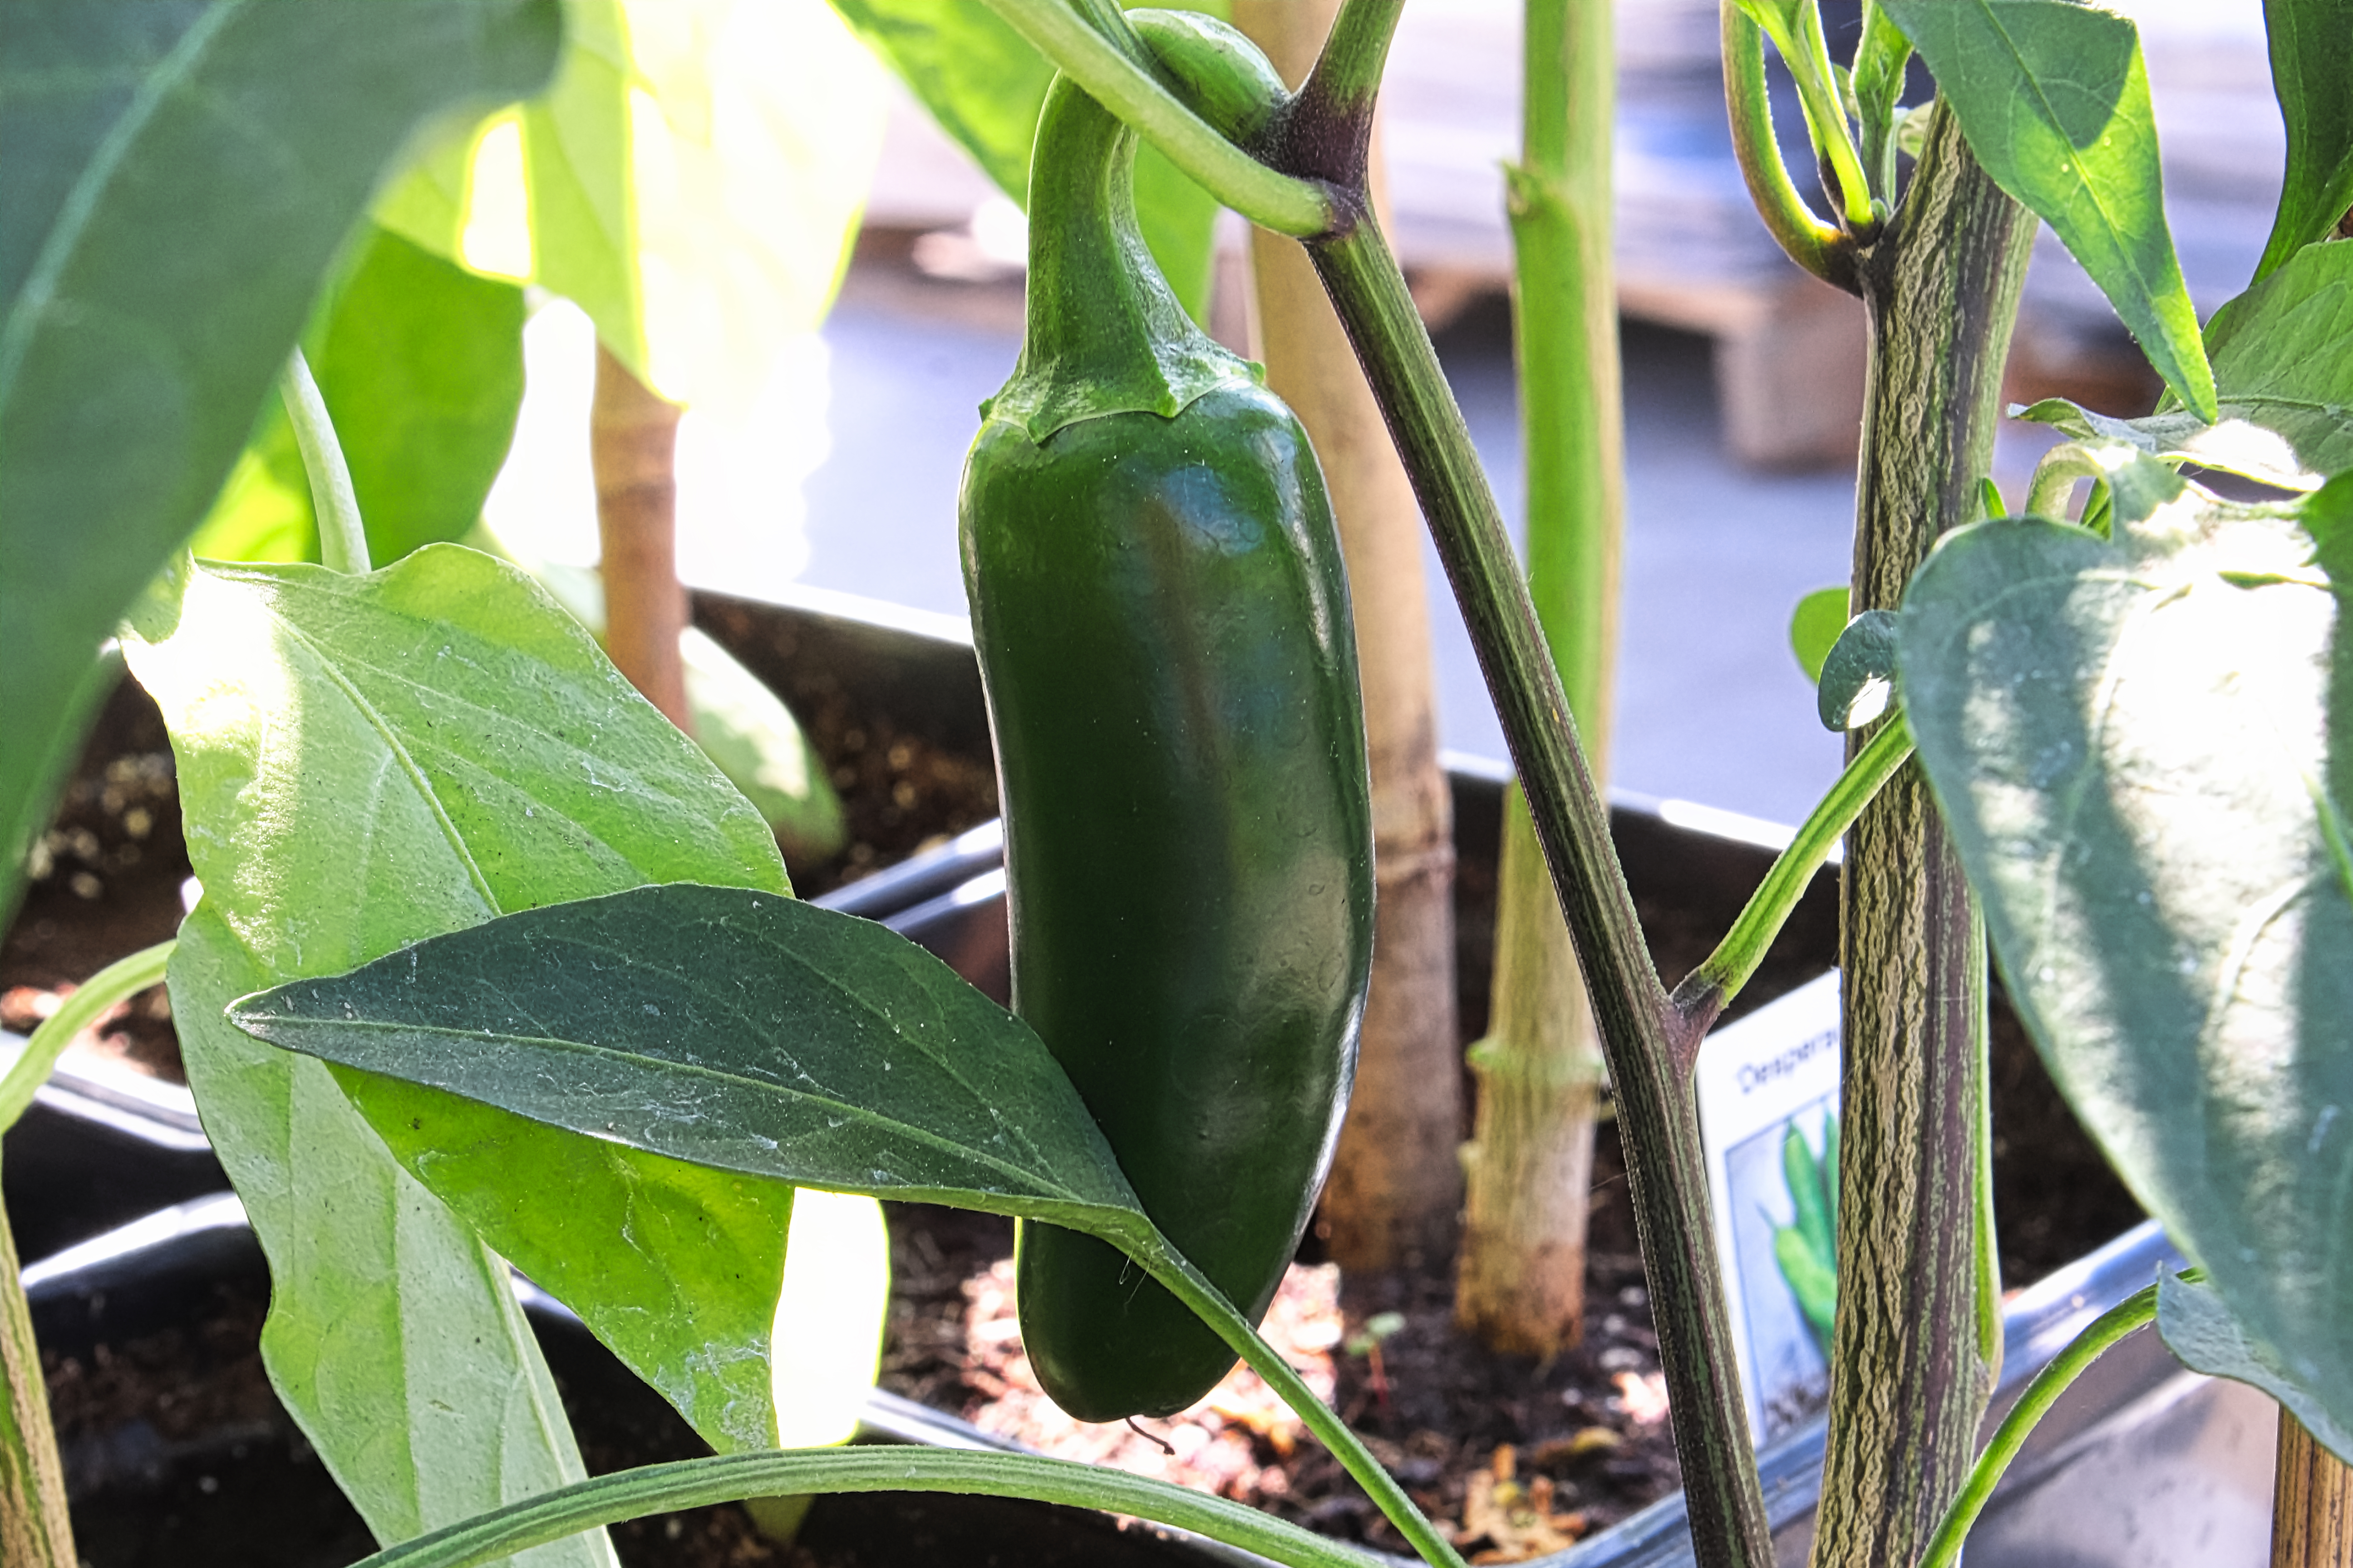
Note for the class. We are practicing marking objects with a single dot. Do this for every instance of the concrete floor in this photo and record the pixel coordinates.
(843, 476)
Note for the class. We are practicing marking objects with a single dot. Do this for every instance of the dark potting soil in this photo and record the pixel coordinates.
(904, 785)
(104, 882)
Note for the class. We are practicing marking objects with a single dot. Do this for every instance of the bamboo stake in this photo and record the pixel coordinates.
(2312, 1502)
(1395, 1185)
(633, 449)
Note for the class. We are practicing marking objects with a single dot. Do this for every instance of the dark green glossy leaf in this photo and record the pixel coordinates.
(2283, 355)
(178, 179)
(2199, 1329)
(2054, 100)
(1858, 681)
(984, 84)
(2145, 752)
(421, 364)
(1814, 628)
(2312, 74)
(734, 1028)
(364, 761)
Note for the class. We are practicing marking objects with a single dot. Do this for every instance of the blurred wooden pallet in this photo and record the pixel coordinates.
(1691, 252)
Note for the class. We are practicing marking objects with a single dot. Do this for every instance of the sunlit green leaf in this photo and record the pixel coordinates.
(693, 181)
(2312, 74)
(177, 178)
(2142, 750)
(364, 761)
(421, 365)
(735, 1028)
(2283, 355)
(2054, 100)
(1814, 628)
(739, 723)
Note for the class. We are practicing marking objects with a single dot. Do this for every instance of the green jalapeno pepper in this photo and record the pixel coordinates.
(1162, 626)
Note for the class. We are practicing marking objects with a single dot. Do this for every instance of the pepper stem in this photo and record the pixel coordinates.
(1104, 333)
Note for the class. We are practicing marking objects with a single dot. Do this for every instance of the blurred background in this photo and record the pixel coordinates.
(839, 474)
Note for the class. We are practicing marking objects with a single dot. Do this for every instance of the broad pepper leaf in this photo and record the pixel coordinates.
(2283, 355)
(421, 365)
(740, 1030)
(984, 84)
(693, 180)
(178, 177)
(2144, 748)
(2054, 100)
(2201, 1333)
(367, 760)
(2312, 75)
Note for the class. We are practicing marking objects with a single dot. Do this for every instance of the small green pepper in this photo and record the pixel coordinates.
(1162, 626)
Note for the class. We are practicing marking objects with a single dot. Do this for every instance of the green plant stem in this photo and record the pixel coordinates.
(1276, 201)
(117, 981)
(1665, 1175)
(1918, 1334)
(697, 1483)
(1809, 58)
(1189, 1285)
(1520, 1286)
(1812, 244)
(343, 540)
(1711, 988)
(1879, 61)
(1347, 74)
(35, 1531)
(1944, 1549)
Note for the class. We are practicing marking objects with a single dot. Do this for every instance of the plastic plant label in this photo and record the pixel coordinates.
(1768, 1089)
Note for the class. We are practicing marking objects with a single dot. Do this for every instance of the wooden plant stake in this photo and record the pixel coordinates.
(1396, 1184)
(633, 449)
(2312, 1502)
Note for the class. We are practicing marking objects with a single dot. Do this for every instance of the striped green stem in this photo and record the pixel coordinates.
(1656, 1113)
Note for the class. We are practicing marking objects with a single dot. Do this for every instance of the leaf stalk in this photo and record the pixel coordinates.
(1812, 244)
(729, 1478)
(1944, 1549)
(342, 540)
(1267, 197)
(123, 979)
(1709, 989)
